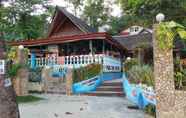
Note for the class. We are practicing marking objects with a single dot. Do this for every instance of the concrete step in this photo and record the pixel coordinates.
(106, 93)
(110, 88)
(111, 84)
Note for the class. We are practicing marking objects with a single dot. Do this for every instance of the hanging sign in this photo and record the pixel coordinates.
(2, 67)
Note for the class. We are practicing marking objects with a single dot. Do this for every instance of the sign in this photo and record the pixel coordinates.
(7, 82)
(2, 66)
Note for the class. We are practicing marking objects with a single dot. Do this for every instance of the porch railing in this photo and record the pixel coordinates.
(109, 63)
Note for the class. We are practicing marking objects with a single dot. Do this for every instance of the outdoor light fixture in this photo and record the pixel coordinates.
(160, 17)
(128, 58)
(21, 47)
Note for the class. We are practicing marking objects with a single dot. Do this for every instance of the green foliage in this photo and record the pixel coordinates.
(95, 13)
(166, 32)
(151, 110)
(178, 77)
(76, 4)
(21, 20)
(129, 64)
(86, 72)
(141, 74)
(13, 53)
(146, 10)
(27, 99)
(12, 71)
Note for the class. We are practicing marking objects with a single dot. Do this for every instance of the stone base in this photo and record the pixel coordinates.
(20, 83)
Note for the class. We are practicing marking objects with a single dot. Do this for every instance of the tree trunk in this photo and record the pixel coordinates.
(8, 105)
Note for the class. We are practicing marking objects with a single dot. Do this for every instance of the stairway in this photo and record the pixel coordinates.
(111, 88)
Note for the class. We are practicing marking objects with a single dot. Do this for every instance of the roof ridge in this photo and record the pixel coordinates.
(77, 21)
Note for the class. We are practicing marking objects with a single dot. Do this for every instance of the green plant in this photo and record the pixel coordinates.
(141, 74)
(151, 110)
(27, 99)
(86, 72)
(129, 64)
(166, 32)
(179, 78)
(12, 71)
(13, 53)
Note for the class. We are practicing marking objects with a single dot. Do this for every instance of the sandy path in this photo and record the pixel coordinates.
(61, 106)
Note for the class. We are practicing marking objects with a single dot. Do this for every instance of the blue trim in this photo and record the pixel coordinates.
(136, 94)
(33, 60)
(87, 85)
(111, 75)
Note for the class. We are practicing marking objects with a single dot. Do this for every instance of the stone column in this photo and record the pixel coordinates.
(164, 80)
(45, 75)
(21, 79)
(69, 82)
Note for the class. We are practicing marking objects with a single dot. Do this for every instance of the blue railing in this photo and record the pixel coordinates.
(87, 85)
(137, 94)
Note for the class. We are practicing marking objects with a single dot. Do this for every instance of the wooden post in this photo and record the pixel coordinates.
(8, 105)
(103, 47)
(90, 47)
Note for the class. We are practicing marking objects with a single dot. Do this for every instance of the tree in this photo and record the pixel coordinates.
(117, 24)
(22, 19)
(145, 10)
(77, 5)
(8, 105)
(95, 13)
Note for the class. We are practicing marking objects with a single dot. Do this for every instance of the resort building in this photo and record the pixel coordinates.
(72, 43)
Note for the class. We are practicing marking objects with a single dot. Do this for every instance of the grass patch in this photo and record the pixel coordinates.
(27, 99)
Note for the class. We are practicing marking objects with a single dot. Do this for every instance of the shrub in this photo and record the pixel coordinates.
(13, 69)
(129, 64)
(151, 110)
(141, 74)
(86, 72)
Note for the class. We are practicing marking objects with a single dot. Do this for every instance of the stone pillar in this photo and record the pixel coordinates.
(21, 82)
(45, 75)
(21, 79)
(69, 82)
(164, 80)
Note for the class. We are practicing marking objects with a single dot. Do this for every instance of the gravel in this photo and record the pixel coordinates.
(62, 106)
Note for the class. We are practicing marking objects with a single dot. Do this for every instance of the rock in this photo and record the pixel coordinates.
(56, 115)
(68, 113)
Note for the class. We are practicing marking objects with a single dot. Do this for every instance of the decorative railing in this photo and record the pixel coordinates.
(40, 62)
(110, 64)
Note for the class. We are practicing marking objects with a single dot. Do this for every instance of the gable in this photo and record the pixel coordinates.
(65, 24)
(67, 28)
